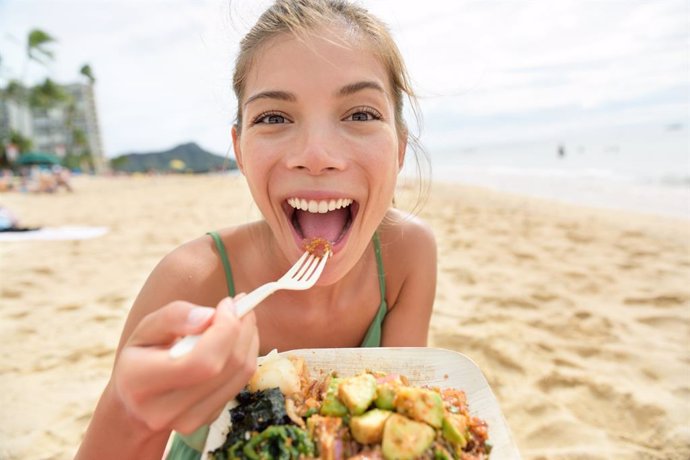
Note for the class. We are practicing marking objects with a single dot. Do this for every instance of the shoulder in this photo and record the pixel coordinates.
(186, 269)
(407, 237)
(408, 248)
(197, 266)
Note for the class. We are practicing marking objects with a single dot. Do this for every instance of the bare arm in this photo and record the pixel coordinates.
(413, 258)
(150, 394)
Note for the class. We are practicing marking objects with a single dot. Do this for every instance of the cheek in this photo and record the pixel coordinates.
(256, 159)
(255, 171)
(383, 160)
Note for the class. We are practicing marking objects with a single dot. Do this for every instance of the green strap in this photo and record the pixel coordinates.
(379, 266)
(373, 335)
(226, 262)
(188, 447)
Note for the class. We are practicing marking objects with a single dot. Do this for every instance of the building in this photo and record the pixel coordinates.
(15, 117)
(66, 128)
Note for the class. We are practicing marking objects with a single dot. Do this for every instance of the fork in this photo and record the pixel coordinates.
(303, 275)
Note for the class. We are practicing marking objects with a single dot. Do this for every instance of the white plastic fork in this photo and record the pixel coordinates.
(303, 275)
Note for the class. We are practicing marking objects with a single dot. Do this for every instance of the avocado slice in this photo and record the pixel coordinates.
(385, 395)
(357, 393)
(455, 429)
(368, 427)
(440, 453)
(332, 406)
(420, 404)
(405, 439)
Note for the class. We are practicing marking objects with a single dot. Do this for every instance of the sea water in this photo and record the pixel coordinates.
(646, 171)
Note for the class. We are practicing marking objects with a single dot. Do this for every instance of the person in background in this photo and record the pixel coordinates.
(6, 180)
(62, 178)
(10, 223)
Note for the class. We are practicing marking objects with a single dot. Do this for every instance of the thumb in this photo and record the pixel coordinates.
(174, 320)
(225, 310)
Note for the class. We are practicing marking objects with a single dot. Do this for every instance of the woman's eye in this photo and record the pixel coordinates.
(364, 115)
(270, 119)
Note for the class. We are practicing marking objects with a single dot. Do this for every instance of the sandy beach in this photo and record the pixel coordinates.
(579, 318)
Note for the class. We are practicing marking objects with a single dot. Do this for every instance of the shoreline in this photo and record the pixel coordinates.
(578, 317)
(652, 199)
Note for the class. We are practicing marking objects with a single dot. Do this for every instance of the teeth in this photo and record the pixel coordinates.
(321, 206)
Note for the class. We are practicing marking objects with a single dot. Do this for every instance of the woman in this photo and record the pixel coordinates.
(320, 138)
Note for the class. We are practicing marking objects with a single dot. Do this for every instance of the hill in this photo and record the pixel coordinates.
(183, 158)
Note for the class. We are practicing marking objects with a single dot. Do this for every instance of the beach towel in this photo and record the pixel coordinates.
(54, 233)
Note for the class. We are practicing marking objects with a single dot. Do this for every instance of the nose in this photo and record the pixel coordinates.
(317, 151)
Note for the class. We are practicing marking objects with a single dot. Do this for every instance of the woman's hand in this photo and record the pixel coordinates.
(184, 393)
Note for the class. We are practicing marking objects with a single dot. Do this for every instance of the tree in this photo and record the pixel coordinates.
(15, 91)
(119, 163)
(36, 46)
(23, 144)
(47, 95)
(88, 73)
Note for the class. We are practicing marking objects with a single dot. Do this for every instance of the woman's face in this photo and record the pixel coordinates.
(318, 145)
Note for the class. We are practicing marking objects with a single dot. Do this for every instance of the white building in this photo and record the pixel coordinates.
(52, 130)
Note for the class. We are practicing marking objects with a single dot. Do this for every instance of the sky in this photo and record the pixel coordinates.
(486, 71)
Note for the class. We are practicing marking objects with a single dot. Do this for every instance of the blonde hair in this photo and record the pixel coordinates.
(301, 17)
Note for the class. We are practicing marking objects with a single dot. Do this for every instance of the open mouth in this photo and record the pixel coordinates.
(329, 219)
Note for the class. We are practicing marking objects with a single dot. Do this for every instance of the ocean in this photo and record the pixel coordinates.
(644, 172)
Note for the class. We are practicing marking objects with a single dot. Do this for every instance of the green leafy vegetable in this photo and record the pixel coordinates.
(279, 442)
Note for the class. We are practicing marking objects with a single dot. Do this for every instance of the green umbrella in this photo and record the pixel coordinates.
(38, 158)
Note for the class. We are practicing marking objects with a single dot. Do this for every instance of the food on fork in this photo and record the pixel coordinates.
(318, 246)
(286, 413)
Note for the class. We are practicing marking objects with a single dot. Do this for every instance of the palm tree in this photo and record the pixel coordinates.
(36, 46)
(88, 73)
(47, 95)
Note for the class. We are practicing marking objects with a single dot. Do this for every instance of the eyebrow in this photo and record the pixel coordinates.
(280, 95)
(359, 86)
(346, 90)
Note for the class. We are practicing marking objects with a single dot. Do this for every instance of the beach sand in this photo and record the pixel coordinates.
(579, 318)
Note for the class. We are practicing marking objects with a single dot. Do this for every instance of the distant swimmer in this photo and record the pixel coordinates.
(561, 151)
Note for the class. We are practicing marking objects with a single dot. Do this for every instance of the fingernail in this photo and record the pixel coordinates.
(199, 315)
(228, 304)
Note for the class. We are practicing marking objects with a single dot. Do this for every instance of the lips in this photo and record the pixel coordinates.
(329, 219)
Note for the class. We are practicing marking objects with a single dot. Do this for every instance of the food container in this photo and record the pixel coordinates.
(422, 366)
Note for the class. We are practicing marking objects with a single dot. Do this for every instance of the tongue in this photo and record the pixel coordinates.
(328, 225)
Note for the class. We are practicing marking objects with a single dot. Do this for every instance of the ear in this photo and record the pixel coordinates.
(236, 148)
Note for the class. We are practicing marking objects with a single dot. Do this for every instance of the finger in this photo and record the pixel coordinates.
(225, 326)
(148, 373)
(207, 409)
(209, 370)
(195, 405)
(174, 320)
(152, 369)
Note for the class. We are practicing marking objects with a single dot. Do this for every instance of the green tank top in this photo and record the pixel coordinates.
(189, 447)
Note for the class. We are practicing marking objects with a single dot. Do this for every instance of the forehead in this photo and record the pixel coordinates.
(314, 61)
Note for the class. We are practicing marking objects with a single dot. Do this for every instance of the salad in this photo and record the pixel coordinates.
(285, 413)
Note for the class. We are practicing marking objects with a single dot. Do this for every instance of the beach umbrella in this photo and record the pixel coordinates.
(38, 158)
